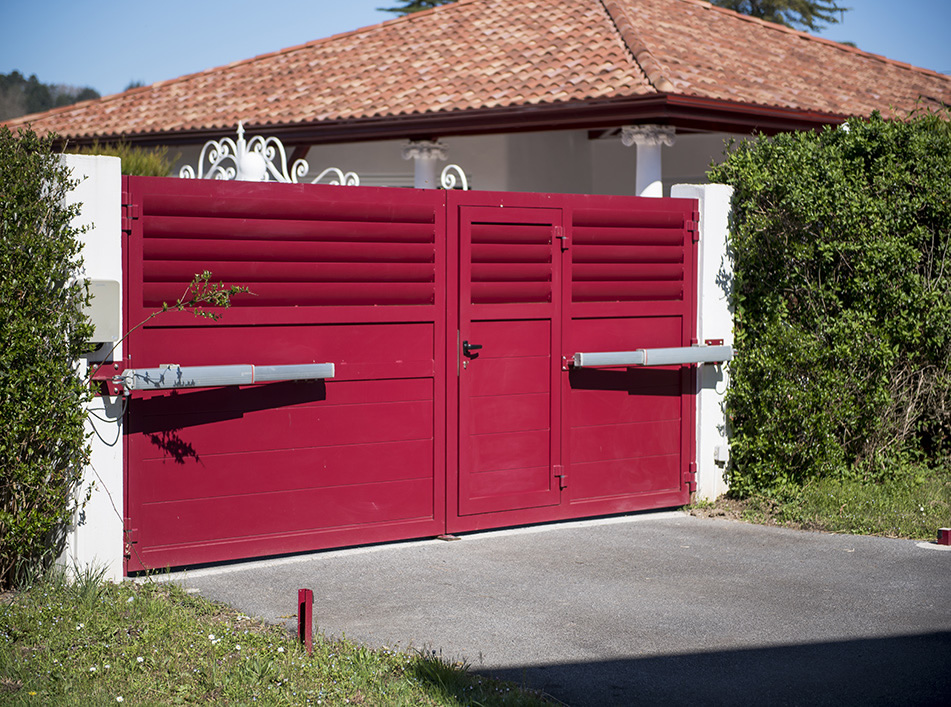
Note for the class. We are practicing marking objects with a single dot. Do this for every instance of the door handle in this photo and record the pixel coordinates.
(467, 348)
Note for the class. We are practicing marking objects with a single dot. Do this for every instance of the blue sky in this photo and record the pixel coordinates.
(107, 44)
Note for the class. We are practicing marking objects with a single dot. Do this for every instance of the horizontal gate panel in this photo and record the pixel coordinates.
(239, 473)
(221, 403)
(624, 441)
(510, 450)
(507, 482)
(194, 522)
(284, 428)
(516, 376)
(276, 345)
(625, 477)
(614, 406)
(625, 334)
(510, 412)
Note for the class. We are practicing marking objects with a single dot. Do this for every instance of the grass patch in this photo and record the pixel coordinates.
(93, 642)
(913, 505)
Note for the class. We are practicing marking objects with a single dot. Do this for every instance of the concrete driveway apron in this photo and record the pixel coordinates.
(658, 608)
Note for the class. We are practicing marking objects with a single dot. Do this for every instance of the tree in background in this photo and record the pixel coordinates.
(23, 96)
(409, 6)
(799, 14)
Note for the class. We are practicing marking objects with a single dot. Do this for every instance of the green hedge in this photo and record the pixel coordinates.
(43, 446)
(842, 248)
(141, 161)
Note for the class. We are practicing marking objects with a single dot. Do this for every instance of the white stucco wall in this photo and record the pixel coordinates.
(95, 539)
(714, 321)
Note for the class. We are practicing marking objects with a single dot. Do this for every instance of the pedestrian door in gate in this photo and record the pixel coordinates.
(510, 326)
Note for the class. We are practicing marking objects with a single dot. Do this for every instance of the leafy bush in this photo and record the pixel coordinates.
(842, 296)
(42, 442)
(137, 161)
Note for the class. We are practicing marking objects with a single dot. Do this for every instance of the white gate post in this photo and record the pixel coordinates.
(95, 539)
(648, 140)
(714, 321)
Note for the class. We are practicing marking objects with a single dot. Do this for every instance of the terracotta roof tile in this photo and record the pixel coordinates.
(496, 54)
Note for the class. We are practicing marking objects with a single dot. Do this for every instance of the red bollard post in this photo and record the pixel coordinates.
(944, 536)
(305, 618)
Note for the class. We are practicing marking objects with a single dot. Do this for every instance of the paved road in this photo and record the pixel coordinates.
(658, 608)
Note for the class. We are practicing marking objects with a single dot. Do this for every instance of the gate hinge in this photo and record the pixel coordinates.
(690, 479)
(130, 538)
(563, 237)
(560, 474)
(130, 213)
(692, 225)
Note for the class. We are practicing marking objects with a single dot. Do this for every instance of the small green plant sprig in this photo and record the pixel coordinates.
(200, 293)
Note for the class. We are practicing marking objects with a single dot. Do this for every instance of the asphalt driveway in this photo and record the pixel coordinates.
(658, 608)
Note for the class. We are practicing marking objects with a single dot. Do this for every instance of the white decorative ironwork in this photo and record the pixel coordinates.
(254, 161)
(448, 178)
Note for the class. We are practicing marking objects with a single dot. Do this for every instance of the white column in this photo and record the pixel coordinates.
(714, 321)
(424, 154)
(95, 538)
(648, 140)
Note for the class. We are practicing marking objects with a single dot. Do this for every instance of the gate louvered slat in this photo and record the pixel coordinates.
(325, 272)
(245, 272)
(302, 202)
(288, 229)
(511, 263)
(625, 257)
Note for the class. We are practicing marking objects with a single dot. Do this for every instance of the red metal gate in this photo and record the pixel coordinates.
(419, 432)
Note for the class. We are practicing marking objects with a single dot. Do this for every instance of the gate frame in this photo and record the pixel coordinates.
(95, 538)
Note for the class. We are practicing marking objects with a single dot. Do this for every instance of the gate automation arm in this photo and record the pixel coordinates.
(174, 376)
(655, 357)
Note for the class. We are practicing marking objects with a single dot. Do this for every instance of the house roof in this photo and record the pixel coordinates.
(492, 65)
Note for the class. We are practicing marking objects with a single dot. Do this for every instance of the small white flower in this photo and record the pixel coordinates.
(237, 648)
(140, 659)
(127, 601)
(92, 669)
(119, 699)
(280, 649)
(79, 627)
(211, 637)
(107, 666)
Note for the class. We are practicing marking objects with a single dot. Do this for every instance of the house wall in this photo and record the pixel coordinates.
(557, 161)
